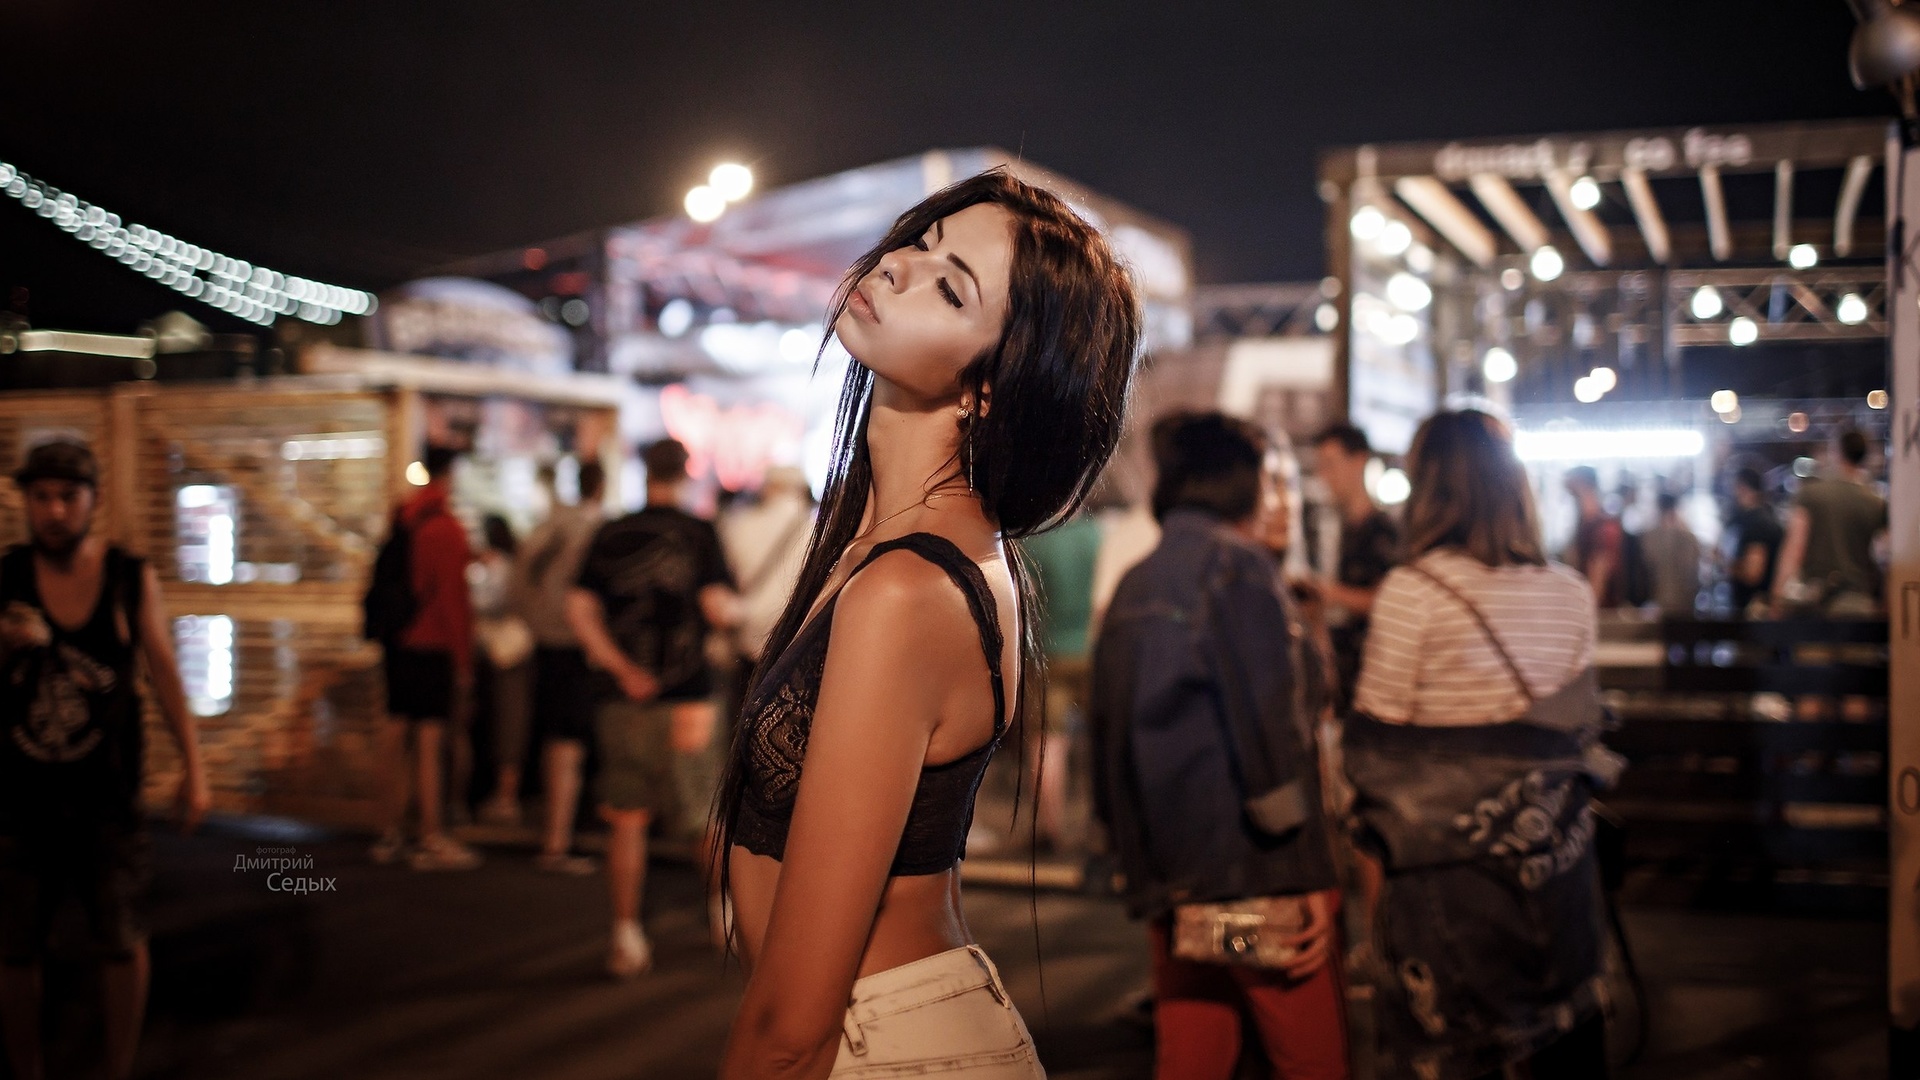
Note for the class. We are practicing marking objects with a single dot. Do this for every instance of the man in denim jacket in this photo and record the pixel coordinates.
(1207, 774)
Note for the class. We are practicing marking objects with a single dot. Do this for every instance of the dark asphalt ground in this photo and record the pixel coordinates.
(495, 973)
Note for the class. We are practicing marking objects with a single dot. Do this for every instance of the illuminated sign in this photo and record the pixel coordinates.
(737, 442)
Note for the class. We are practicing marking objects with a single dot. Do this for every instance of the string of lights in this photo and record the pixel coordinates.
(254, 293)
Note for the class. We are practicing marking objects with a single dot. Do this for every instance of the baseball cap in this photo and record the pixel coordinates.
(61, 459)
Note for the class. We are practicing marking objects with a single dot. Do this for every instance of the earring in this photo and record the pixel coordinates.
(966, 417)
(970, 487)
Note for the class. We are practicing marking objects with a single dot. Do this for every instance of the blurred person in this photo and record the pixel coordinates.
(429, 673)
(1827, 557)
(1599, 541)
(1369, 547)
(1754, 539)
(1473, 751)
(545, 568)
(1206, 700)
(1673, 559)
(766, 545)
(1128, 534)
(994, 334)
(651, 586)
(78, 615)
(506, 654)
(1063, 559)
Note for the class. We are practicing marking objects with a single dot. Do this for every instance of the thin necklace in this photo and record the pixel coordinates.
(924, 500)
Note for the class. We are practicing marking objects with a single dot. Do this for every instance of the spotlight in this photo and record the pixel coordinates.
(1585, 193)
(1724, 401)
(1408, 293)
(1743, 331)
(731, 181)
(1851, 310)
(1499, 365)
(1706, 303)
(1547, 263)
(1803, 257)
(1367, 223)
(675, 318)
(1393, 487)
(704, 204)
(1586, 391)
(1605, 379)
(1395, 238)
(1876, 399)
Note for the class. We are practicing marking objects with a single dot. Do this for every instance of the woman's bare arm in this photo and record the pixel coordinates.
(902, 637)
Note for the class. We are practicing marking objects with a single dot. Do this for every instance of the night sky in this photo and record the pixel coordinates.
(364, 142)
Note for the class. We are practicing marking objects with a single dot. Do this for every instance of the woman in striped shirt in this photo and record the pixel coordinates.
(1473, 752)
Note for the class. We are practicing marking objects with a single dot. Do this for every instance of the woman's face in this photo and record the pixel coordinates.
(930, 309)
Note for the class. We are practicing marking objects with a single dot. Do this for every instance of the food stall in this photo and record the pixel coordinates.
(260, 503)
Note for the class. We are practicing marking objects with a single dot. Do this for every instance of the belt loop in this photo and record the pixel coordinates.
(856, 1038)
(993, 977)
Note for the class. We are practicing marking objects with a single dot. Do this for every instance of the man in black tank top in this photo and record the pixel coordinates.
(76, 616)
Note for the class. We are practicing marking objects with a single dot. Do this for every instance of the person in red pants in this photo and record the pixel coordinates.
(1199, 1011)
(1207, 690)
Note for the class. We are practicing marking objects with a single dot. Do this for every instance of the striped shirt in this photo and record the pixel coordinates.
(1428, 662)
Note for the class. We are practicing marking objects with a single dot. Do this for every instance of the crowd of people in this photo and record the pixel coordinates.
(623, 643)
(1384, 772)
(1816, 553)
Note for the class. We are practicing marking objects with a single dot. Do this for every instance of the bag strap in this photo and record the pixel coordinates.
(775, 554)
(1492, 639)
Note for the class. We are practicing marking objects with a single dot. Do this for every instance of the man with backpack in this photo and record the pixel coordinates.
(418, 608)
(78, 616)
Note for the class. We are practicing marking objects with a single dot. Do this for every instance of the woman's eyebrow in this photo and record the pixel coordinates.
(968, 270)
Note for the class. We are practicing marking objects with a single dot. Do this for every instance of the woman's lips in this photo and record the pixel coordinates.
(860, 305)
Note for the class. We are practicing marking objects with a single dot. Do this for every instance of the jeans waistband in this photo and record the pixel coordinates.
(924, 981)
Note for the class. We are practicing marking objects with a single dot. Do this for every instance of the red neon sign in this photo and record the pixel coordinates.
(737, 441)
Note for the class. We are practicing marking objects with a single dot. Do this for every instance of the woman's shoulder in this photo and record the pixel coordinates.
(1465, 573)
(914, 576)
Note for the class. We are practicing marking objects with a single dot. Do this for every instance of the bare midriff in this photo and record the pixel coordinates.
(919, 916)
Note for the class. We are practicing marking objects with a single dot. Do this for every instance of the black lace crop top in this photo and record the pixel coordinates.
(779, 714)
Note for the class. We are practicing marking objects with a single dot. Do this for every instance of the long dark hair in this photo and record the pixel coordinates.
(1055, 383)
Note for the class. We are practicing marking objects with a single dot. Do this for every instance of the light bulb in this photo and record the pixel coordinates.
(704, 204)
(1547, 263)
(731, 181)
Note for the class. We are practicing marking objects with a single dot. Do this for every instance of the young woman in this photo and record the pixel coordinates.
(995, 336)
(1474, 752)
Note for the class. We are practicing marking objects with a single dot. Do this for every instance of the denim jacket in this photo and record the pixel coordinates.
(1206, 770)
(1488, 931)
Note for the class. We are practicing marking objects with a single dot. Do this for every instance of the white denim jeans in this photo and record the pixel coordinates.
(947, 1013)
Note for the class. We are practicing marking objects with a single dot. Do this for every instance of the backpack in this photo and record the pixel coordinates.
(1636, 577)
(390, 605)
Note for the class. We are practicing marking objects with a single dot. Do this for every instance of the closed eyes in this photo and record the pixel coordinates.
(946, 290)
